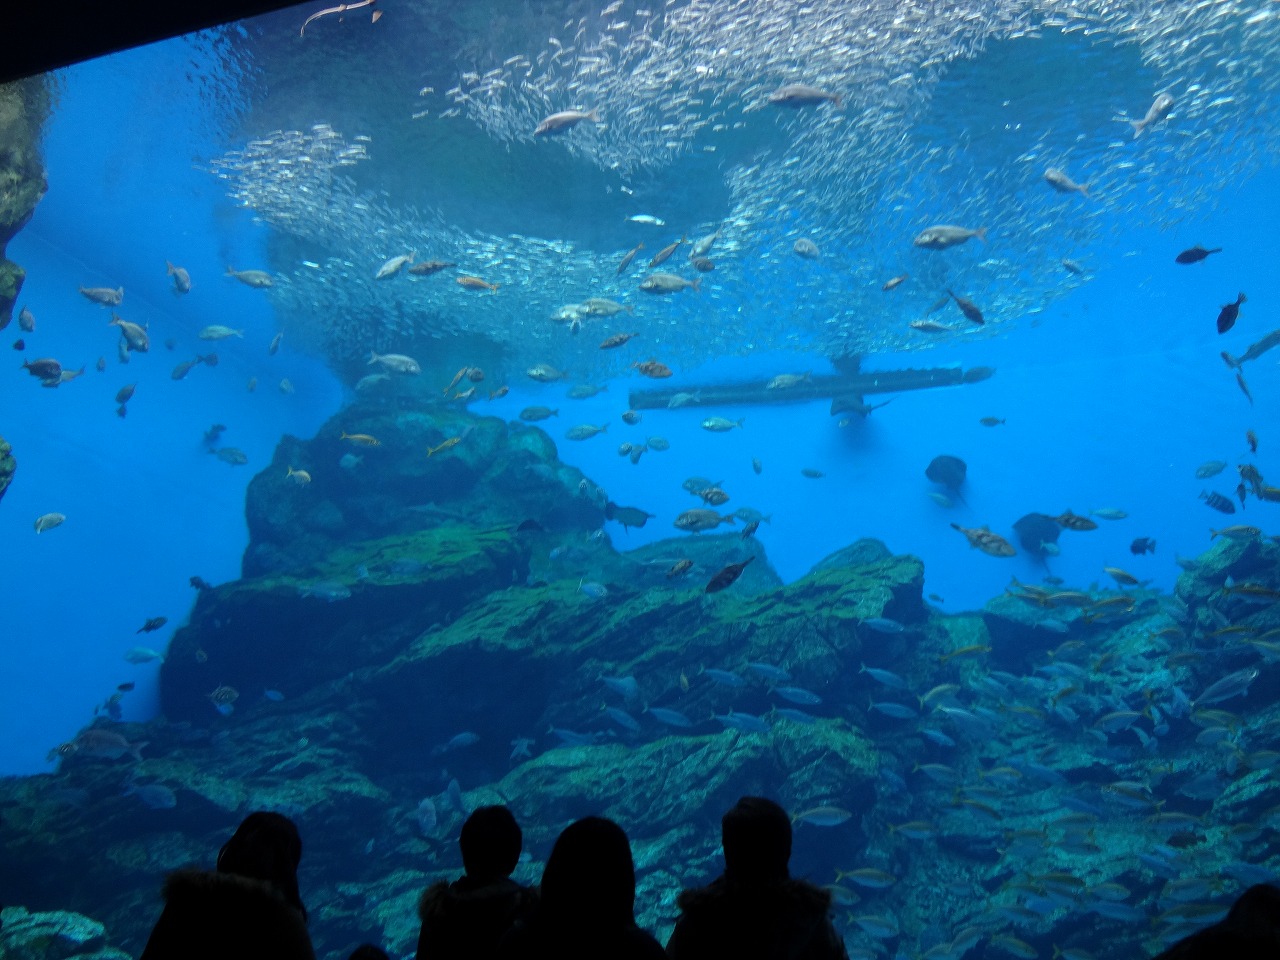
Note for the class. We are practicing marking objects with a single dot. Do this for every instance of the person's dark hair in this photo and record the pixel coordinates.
(266, 846)
(756, 834)
(590, 878)
(368, 951)
(491, 842)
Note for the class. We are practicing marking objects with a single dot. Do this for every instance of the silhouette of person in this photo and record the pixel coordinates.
(1249, 931)
(368, 951)
(754, 910)
(248, 907)
(586, 909)
(467, 918)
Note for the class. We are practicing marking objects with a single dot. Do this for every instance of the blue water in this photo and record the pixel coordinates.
(1112, 395)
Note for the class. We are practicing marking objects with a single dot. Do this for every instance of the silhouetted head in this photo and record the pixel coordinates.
(266, 846)
(368, 951)
(590, 878)
(756, 834)
(490, 842)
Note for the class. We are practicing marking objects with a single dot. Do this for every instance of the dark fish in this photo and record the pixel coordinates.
(756, 466)
(947, 470)
(1230, 311)
(19, 344)
(626, 261)
(1142, 545)
(200, 583)
(967, 307)
(152, 624)
(126, 393)
(855, 405)
(26, 321)
(529, 526)
(1035, 530)
(181, 370)
(1072, 267)
(749, 529)
(101, 365)
(125, 687)
(1252, 439)
(122, 411)
(170, 343)
(631, 417)
(1241, 490)
(895, 282)
(627, 516)
(1195, 254)
(702, 264)
(1217, 501)
(426, 268)
(727, 576)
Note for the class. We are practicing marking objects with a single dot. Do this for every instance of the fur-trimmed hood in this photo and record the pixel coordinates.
(210, 914)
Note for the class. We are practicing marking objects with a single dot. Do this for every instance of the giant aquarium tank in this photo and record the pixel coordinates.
(624, 408)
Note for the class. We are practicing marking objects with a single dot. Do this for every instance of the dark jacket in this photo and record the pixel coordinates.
(538, 940)
(781, 921)
(214, 916)
(465, 919)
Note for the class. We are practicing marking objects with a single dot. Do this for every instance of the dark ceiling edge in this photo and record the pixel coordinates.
(36, 37)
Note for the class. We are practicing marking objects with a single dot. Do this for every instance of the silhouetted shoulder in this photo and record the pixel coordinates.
(787, 919)
(467, 919)
(218, 915)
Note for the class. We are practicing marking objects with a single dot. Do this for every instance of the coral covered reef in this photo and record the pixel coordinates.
(392, 659)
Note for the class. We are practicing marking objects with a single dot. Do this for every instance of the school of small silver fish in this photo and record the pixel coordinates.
(641, 91)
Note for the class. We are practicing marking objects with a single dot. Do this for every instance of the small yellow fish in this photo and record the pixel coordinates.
(443, 445)
(364, 439)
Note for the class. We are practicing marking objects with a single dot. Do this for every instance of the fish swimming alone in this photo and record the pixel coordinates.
(1229, 313)
(727, 576)
(989, 543)
(1195, 254)
(258, 279)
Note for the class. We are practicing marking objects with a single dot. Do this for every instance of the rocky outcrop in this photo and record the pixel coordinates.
(393, 659)
(53, 935)
(24, 106)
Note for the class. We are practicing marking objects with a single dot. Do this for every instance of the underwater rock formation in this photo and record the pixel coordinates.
(24, 105)
(55, 935)
(497, 473)
(8, 466)
(380, 671)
